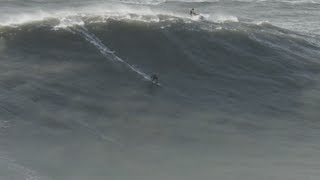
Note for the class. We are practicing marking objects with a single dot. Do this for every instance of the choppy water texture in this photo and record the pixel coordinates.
(239, 92)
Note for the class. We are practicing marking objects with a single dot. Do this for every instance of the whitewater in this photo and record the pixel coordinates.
(238, 98)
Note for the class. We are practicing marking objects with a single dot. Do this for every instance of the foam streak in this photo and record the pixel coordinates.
(105, 51)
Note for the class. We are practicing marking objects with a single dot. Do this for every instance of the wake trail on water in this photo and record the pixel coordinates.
(104, 50)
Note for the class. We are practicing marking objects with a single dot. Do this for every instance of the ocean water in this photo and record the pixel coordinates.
(238, 99)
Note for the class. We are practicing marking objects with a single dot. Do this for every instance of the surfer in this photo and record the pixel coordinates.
(192, 13)
(154, 78)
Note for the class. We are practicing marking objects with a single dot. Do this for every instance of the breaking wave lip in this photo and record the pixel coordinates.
(157, 2)
(280, 1)
(15, 20)
(144, 2)
(192, 1)
(300, 2)
(142, 15)
(245, 1)
(65, 20)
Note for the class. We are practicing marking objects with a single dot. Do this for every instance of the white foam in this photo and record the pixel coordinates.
(220, 18)
(104, 11)
(22, 18)
(261, 22)
(300, 1)
(68, 22)
(157, 2)
(282, 1)
(192, 1)
(146, 2)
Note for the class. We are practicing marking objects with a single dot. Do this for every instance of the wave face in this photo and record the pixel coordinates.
(235, 94)
(202, 61)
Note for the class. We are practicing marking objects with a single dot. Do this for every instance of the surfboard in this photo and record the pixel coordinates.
(155, 83)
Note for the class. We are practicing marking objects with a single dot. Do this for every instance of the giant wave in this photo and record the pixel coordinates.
(239, 94)
(201, 59)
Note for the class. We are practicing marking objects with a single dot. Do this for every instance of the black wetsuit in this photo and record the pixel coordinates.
(154, 78)
(192, 13)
